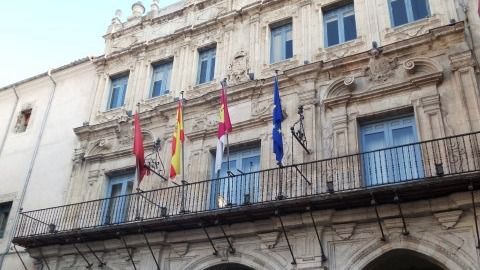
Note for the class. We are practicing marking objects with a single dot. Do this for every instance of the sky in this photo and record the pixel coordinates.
(37, 35)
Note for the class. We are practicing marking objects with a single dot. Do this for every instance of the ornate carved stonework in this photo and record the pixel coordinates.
(270, 240)
(238, 69)
(448, 219)
(344, 231)
(181, 248)
(380, 68)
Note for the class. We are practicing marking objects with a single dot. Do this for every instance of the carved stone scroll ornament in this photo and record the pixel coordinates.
(238, 69)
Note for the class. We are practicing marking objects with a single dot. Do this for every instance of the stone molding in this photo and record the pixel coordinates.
(448, 219)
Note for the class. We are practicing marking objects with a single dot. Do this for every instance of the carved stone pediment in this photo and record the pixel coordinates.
(238, 69)
(99, 146)
(418, 65)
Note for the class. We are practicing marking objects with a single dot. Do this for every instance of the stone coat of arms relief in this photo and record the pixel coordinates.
(238, 69)
(380, 68)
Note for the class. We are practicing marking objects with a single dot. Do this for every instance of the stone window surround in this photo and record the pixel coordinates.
(108, 85)
(150, 68)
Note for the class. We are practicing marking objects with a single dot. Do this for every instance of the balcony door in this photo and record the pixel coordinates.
(241, 186)
(389, 154)
(116, 205)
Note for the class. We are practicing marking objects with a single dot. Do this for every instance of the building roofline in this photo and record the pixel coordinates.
(69, 65)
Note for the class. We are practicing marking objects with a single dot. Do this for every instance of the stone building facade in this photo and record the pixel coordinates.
(390, 167)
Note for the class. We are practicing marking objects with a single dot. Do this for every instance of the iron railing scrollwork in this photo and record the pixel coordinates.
(410, 162)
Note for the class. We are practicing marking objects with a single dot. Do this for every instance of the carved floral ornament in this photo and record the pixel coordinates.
(422, 69)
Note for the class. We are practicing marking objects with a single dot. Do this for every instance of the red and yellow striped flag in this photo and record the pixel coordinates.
(177, 141)
(224, 127)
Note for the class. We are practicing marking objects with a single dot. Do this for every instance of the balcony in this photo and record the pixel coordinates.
(409, 172)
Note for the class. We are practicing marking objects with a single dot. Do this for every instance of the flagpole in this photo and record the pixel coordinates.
(182, 207)
(224, 85)
(280, 195)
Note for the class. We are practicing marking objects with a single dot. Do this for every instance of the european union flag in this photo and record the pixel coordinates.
(277, 124)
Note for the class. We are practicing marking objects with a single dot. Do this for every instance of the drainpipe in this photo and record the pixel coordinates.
(9, 119)
(30, 168)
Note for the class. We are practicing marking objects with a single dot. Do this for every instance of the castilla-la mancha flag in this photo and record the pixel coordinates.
(138, 149)
(224, 127)
(177, 141)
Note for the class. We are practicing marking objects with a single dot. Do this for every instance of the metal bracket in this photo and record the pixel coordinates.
(302, 175)
(44, 259)
(20, 257)
(215, 252)
(128, 252)
(397, 201)
(51, 226)
(324, 258)
(100, 262)
(277, 213)
(89, 265)
(149, 247)
(299, 134)
(374, 203)
(470, 187)
(232, 250)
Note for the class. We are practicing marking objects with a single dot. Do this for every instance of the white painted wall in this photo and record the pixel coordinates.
(51, 167)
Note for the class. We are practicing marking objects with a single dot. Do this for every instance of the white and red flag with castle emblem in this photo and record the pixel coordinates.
(224, 127)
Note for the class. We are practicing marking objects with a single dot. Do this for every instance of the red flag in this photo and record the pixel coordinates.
(224, 127)
(138, 149)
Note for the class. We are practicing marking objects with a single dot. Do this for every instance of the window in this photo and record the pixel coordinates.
(23, 120)
(4, 212)
(161, 79)
(339, 25)
(241, 185)
(281, 43)
(206, 65)
(117, 91)
(406, 11)
(388, 154)
(116, 207)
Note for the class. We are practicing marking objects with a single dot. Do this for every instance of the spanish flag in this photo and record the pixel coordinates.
(224, 127)
(177, 143)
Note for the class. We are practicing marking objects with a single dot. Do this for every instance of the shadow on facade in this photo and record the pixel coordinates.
(403, 259)
(229, 266)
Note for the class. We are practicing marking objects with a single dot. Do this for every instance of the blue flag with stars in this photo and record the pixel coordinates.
(277, 124)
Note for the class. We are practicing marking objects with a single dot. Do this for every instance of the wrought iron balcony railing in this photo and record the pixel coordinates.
(407, 163)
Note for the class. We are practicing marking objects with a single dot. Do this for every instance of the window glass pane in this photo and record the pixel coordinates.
(349, 27)
(212, 69)
(203, 71)
(403, 135)
(115, 99)
(289, 49)
(419, 9)
(332, 33)
(276, 53)
(399, 12)
(157, 88)
(117, 93)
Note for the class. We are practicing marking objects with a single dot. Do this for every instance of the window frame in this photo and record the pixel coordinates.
(5, 207)
(237, 155)
(339, 13)
(283, 28)
(409, 11)
(210, 54)
(168, 65)
(118, 77)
